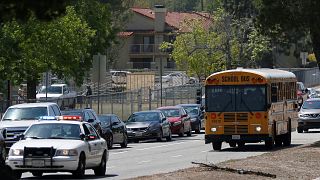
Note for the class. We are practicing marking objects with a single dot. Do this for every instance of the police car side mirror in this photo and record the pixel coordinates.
(82, 136)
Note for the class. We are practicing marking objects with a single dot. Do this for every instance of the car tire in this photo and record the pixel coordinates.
(216, 145)
(101, 169)
(110, 141)
(37, 174)
(305, 130)
(189, 133)
(287, 136)
(136, 141)
(160, 138)
(300, 130)
(80, 172)
(17, 174)
(181, 134)
(169, 138)
(278, 141)
(197, 131)
(124, 143)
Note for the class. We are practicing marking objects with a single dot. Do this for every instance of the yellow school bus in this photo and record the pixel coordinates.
(249, 106)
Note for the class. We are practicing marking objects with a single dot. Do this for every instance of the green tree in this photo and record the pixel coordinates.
(198, 51)
(60, 45)
(291, 21)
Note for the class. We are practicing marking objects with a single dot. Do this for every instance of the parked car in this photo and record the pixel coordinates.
(176, 78)
(119, 77)
(302, 93)
(312, 93)
(179, 119)
(148, 125)
(309, 115)
(55, 146)
(196, 114)
(18, 118)
(59, 93)
(115, 129)
(87, 115)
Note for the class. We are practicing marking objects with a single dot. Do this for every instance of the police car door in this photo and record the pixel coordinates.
(94, 142)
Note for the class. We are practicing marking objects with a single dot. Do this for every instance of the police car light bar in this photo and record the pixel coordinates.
(70, 118)
(47, 118)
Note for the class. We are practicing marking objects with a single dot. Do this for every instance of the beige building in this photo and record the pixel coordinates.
(145, 31)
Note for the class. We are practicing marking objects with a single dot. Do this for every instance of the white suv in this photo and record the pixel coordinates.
(18, 118)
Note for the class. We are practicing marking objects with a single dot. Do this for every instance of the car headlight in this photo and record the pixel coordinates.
(16, 152)
(258, 128)
(177, 123)
(193, 119)
(67, 152)
(303, 115)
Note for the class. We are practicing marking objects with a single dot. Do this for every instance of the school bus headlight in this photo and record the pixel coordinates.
(213, 129)
(258, 128)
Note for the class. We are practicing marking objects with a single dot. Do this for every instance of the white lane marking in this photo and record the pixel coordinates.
(176, 156)
(119, 152)
(141, 162)
(204, 151)
(160, 146)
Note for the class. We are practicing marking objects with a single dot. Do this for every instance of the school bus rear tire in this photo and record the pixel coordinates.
(217, 145)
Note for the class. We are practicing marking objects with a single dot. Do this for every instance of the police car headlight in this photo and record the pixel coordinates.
(67, 152)
(16, 152)
(303, 115)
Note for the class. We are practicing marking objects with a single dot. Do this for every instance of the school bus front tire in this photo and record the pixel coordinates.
(217, 145)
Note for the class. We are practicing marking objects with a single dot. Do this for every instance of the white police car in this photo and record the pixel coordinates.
(59, 146)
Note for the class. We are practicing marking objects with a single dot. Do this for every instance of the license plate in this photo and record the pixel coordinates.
(138, 133)
(37, 163)
(235, 136)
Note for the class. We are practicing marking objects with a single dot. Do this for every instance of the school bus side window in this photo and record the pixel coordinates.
(274, 94)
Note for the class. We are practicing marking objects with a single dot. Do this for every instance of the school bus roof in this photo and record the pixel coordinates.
(264, 72)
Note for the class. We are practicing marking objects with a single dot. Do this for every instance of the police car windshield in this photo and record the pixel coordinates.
(29, 113)
(53, 131)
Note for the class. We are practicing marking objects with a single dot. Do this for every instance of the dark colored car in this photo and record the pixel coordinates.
(88, 115)
(196, 114)
(309, 115)
(178, 118)
(148, 125)
(115, 129)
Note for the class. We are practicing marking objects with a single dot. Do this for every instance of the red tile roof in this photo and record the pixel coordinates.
(125, 34)
(175, 19)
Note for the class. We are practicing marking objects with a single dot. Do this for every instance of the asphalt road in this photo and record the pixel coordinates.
(151, 157)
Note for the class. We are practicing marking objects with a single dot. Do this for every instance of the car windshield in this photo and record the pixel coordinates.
(53, 131)
(75, 113)
(311, 105)
(27, 113)
(194, 110)
(170, 112)
(144, 116)
(51, 90)
(105, 119)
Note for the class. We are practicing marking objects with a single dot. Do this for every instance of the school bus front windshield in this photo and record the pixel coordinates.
(236, 98)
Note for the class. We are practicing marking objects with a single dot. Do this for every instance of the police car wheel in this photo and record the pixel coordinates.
(101, 169)
(79, 173)
(17, 174)
(37, 174)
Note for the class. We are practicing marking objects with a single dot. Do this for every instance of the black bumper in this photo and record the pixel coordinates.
(243, 138)
(312, 124)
